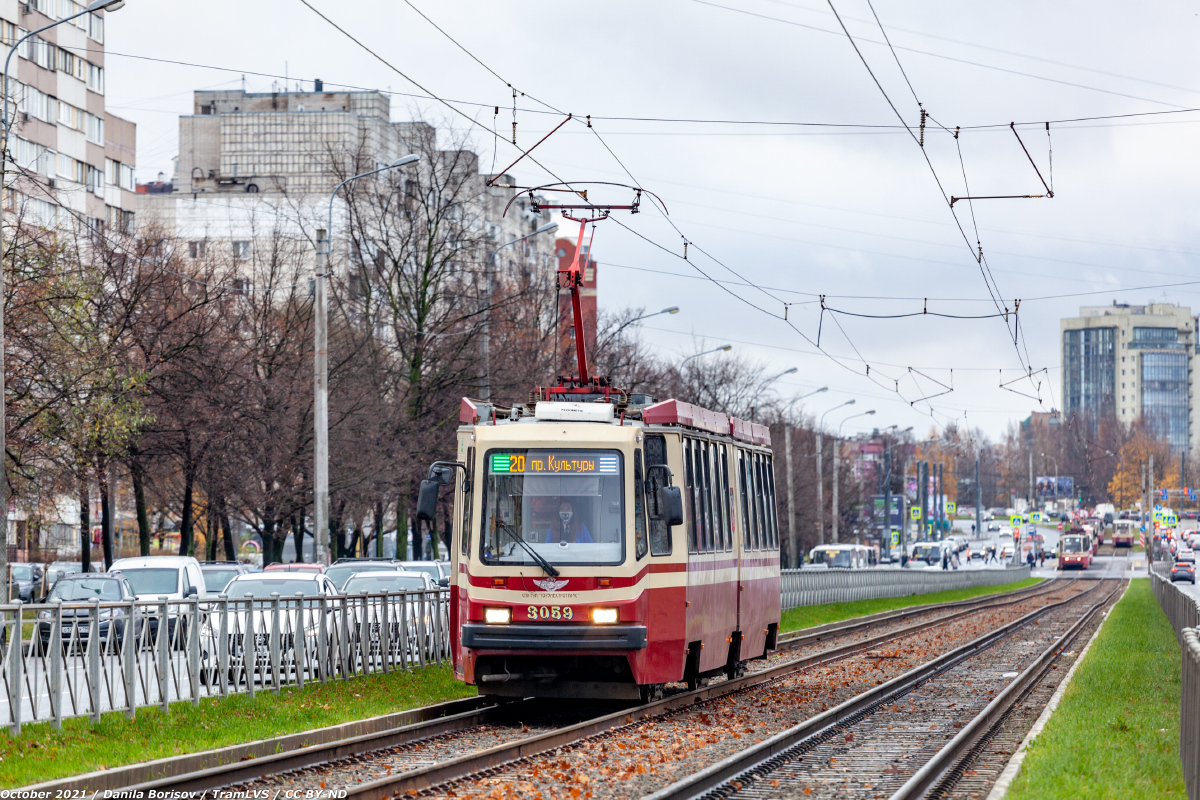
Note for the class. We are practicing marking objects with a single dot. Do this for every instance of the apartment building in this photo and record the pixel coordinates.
(258, 164)
(1133, 362)
(74, 160)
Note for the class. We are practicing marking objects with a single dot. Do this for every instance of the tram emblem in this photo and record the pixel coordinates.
(550, 584)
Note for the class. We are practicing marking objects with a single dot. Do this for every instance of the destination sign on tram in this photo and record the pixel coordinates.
(554, 462)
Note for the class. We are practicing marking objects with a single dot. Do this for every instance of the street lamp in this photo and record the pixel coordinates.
(486, 392)
(321, 373)
(725, 347)
(820, 478)
(617, 332)
(837, 446)
(761, 386)
(98, 5)
(793, 534)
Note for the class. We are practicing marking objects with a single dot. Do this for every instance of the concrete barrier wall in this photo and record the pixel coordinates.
(814, 587)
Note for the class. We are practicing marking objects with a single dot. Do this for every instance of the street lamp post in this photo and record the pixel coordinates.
(724, 347)
(486, 392)
(321, 375)
(761, 386)
(617, 332)
(837, 446)
(820, 476)
(793, 534)
(98, 5)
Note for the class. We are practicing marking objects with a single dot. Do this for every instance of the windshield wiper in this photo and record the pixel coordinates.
(541, 562)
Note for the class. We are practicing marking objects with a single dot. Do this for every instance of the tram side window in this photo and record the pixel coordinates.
(639, 506)
(693, 506)
(660, 532)
(710, 527)
(721, 496)
(467, 495)
(760, 518)
(769, 474)
(744, 483)
(768, 514)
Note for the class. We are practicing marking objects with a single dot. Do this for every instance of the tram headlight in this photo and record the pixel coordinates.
(497, 616)
(604, 616)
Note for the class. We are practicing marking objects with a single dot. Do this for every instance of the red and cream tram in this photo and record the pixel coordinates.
(570, 578)
(604, 547)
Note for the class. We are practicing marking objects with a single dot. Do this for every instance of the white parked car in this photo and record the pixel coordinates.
(299, 618)
(173, 577)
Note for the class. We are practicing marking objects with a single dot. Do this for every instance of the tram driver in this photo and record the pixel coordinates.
(568, 527)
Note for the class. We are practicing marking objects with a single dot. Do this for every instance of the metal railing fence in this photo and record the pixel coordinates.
(813, 587)
(84, 659)
(1184, 616)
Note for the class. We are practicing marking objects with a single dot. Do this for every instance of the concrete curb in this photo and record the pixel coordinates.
(148, 771)
(1013, 767)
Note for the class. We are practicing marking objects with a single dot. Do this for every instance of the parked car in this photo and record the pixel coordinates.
(433, 569)
(26, 581)
(107, 587)
(173, 577)
(341, 570)
(298, 623)
(218, 574)
(418, 611)
(294, 566)
(59, 568)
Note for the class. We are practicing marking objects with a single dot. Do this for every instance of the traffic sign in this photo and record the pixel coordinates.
(895, 538)
(1158, 506)
(1172, 520)
(1158, 515)
(1015, 521)
(914, 512)
(1036, 516)
(1164, 495)
(951, 508)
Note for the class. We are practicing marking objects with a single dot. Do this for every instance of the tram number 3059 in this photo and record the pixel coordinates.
(550, 612)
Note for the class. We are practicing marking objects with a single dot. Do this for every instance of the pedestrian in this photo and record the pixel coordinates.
(945, 560)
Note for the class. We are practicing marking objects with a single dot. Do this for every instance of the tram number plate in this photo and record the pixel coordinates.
(550, 612)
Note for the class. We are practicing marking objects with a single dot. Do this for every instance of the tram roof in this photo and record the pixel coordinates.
(667, 412)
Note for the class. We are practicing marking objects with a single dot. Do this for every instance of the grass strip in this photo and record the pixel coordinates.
(41, 753)
(809, 616)
(1116, 731)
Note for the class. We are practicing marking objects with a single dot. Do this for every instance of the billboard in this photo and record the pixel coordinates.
(1055, 486)
(877, 510)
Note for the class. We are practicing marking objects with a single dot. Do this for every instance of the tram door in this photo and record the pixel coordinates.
(759, 546)
(712, 566)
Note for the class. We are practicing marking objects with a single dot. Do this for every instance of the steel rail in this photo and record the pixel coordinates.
(938, 769)
(755, 758)
(432, 775)
(820, 632)
(247, 769)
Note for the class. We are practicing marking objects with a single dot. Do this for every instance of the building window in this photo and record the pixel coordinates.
(195, 249)
(95, 129)
(95, 181)
(241, 286)
(96, 27)
(1165, 395)
(241, 249)
(95, 78)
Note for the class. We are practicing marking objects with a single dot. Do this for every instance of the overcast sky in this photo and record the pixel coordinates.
(851, 213)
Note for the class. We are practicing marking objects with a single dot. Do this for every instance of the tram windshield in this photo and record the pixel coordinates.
(1072, 544)
(833, 557)
(567, 506)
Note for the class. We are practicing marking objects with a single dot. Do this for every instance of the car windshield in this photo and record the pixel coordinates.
(215, 580)
(361, 584)
(341, 573)
(565, 505)
(927, 551)
(832, 557)
(428, 567)
(86, 589)
(1072, 544)
(264, 587)
(152, 580)
(22, 572)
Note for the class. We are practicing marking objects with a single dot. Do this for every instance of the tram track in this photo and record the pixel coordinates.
(447, 748)
(909, 738)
